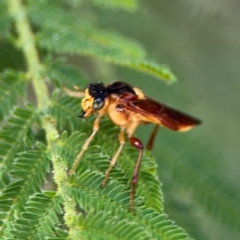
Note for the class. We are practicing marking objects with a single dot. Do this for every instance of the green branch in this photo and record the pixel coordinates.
(27, 43)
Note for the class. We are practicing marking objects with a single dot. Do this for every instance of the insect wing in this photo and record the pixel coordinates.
(164, 115)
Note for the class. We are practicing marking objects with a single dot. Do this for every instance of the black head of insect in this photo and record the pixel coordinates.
(99, 93)
(94, 99)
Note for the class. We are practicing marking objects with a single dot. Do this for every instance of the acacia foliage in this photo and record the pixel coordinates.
(39, 139)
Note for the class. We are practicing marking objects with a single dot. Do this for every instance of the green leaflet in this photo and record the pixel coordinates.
(39, 219)
(129, 5)
(26, 177)
(64, 75)
(113, 200)
(72, 35)
(16, 135)
(27, 212)
(12, 85)
(66, 110)
(144, 223)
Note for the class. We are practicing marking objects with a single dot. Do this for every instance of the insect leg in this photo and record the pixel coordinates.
(115, 158)
(86, 144)
(152, 137)
(138, 145)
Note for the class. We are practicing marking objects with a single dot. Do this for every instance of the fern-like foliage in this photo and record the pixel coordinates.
(63, 74)
(27, 175)
(26, 211)
(12, 85)
(16, 135)
(121, 4)
(107, 209)
(73, 35)
(39, 141)
(39, 219)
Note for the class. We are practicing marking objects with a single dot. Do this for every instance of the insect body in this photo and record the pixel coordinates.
(128, 107)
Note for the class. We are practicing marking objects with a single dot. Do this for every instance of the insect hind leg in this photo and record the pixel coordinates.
(138, 145)
(152, 137)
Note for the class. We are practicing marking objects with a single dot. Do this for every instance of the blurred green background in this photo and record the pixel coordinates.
(201, 43)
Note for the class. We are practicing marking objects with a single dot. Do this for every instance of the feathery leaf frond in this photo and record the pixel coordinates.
(122, 4)
(12, 85)
(144, 223)
(76, 36)
(26, 177)
(66, 110)
(80, 208)
(114, 198)
(16, 135)
(39, 219)
(64, 75)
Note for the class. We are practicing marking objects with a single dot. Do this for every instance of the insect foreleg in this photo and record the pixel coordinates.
(115, 158)
(86, 144)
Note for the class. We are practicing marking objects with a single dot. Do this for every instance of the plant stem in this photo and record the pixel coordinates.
(26, 42)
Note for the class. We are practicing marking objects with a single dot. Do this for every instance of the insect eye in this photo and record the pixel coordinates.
(98, 104)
